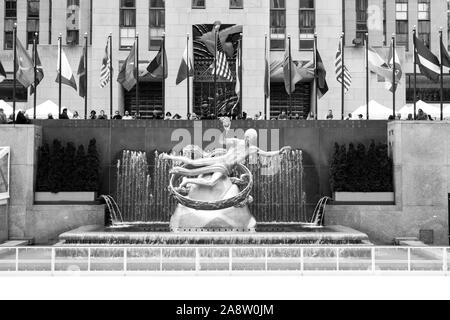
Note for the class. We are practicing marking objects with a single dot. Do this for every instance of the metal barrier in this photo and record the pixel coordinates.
(223, 260)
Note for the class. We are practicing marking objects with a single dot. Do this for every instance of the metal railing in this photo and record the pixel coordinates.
(224, 260)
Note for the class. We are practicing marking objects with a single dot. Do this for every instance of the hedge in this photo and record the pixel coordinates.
(68, 169)
(361, 169)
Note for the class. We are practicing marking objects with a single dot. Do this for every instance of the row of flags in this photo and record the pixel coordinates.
(428, 63)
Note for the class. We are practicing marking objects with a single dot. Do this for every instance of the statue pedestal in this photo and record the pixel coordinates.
(227, 220)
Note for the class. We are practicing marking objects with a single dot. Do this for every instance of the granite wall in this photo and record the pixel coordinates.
(3, 223)
(315, 138)
(21, 219)
(420, 152)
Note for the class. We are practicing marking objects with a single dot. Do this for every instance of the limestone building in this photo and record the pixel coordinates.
(253, 18)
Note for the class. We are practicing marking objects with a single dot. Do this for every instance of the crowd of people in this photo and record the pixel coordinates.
(23, 118)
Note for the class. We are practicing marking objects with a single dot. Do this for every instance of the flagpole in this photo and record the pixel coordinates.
(136, 67)
(35, 74)
(215, 68)
(15, 72)
(442, 75)
(241, 46)
(342, 77)
(316, 78)
(60, 75)
(394, 75)
(188, 102)
(110, 77)
(164, 72)
(266, 76)
(86, 75)
(367, 77)
(290, 78)
(415, 74)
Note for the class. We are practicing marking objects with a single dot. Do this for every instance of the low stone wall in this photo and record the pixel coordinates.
(3, 223)
(421, 155)
(49, 221)
(385, 223)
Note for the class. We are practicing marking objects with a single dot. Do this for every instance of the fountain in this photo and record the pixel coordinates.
(212, 198)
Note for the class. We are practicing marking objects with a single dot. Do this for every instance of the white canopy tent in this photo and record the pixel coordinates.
(44, 109)
(6, 108)
(376, 111)
(429, 109)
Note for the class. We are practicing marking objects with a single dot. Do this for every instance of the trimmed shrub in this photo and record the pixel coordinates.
(358, 170)
(68, 169)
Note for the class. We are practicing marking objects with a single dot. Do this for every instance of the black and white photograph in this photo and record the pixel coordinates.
(233, 142)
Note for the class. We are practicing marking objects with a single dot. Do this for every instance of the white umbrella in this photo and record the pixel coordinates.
(376, 111)
(433, 111)
(6, 108)
(44, 109)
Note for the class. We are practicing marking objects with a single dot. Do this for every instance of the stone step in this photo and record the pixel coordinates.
(16, 243)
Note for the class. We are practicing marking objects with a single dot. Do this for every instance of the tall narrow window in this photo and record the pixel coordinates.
(32, 20)
(424, 25)
(307, 24)
(10, 19)
(277, 24)
(361, 19)
(50, 20)
(73, 22)
(401, 23)
(157, 23)
(127, 23)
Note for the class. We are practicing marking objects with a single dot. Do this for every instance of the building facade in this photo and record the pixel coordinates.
(278, 19)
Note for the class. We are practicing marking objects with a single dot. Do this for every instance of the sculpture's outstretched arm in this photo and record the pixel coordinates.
(215, 178)
(195, 163)
(270, 154)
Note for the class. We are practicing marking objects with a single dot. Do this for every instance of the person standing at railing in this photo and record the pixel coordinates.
(3, 117)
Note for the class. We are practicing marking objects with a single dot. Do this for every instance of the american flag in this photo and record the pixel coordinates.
(342, 69)
(105, 73)
(223, 68)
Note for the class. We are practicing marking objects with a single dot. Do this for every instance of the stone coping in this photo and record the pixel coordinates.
(97, 235)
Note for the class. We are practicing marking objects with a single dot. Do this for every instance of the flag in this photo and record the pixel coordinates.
(25, 66)
(322, 85)
(445, 57)
(105, 72)
(64, 70)
(342, 70)
(390, 84)
(127, 75)
(186, 64)
(2, 73)
(222, 67)
(39, 73)
(238, 71)
(267, 78)
(155, 68)
(295, 77)
(82, 80)
(428, 63)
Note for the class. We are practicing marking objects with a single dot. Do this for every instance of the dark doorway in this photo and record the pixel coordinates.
(301, 100)
(150, 96)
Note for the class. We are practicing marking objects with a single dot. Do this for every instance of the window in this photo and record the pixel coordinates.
(277, 24)
(361, 19)
(10, 19)
(50, 21)
(157, 23)
(427, 91)
(32, 20)
(73, 22)
(307, 23)
(127, 23)
(236, 4)
(198, 4)
(424, 25)
(401, 23)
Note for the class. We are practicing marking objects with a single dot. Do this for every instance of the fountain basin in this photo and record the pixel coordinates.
(267, 234)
